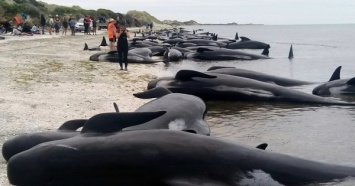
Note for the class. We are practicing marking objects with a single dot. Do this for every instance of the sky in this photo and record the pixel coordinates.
(271, 12)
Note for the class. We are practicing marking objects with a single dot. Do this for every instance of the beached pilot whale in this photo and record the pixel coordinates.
(212, 86)
(86, 47)
(336, 86)
(132, 57)
(24, 142)
(112, 122)
(286, 82)
(183, 112)
(173, 55)
(203, 53)
(246, 43)
(160, 157)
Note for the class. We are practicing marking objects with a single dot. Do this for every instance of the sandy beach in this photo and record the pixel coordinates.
(47, 80)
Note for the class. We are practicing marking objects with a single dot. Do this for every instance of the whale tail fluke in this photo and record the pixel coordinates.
(290, 54)
(86, 47)
(236, 36)
(266, 51)
(114, 122)
(166, 60)
(72, 125)
(103, 42)
(153, 93)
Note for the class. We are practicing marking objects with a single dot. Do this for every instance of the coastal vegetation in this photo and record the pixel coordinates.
(33, 8)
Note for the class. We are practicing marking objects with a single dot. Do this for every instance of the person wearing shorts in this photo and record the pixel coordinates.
(111, 33)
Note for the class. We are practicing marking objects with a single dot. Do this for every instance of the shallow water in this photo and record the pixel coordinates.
(322, 133)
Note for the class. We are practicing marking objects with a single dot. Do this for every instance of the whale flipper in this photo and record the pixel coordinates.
(217, 67)
(72, 125)
(190, 131)
(336, 74)
(290, 54)
(185, 75)
(153, 93)
(116, 107)
(86, 47)
(114, 122)
(262, 146)
(103, 42)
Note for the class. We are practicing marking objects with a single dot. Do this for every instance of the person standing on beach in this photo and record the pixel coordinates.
(50, 24)
(43, 23)
(111, 31)
(94, 25)
(72, 23)
(16, 21)
(122, 45)
(151, 26)
(65, 26)
(57, 24)
(86, 25)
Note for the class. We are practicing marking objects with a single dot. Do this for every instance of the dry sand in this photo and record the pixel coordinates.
(47, 80)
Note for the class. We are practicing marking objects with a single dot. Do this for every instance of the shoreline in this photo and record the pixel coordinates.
(49, 80)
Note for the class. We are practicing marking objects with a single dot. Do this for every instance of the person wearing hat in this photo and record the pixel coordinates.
(111, 32)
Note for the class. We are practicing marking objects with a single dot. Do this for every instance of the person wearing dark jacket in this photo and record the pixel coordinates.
(122, 45)
(43, 23)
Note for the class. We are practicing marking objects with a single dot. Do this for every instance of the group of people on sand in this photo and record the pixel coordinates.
(56, 23)
(88, 24)
(117, 30)
(147, 26)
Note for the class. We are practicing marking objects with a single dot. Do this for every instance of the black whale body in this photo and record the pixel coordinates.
(160, 157)
(212, 86)
(257, 76)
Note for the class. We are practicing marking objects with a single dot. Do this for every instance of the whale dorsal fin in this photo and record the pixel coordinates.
(217, 67)
(116, 107)
(336, 74)
(185, 75)
(351, 82)
(262, 146)
(245, 39)
(153, 93)
(114, 122)
(290, 53)
(103, 42)
(201, 50)
(86, 47)
(72, 125)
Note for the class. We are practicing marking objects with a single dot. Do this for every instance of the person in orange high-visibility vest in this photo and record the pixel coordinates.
(111, 32)
(16, 21)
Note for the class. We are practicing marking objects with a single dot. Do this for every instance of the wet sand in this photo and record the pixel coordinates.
(47, 80)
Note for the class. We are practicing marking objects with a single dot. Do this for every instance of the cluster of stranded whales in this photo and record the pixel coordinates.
(167, 141)
(225, 83)
(176, 45)
(161, 143)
